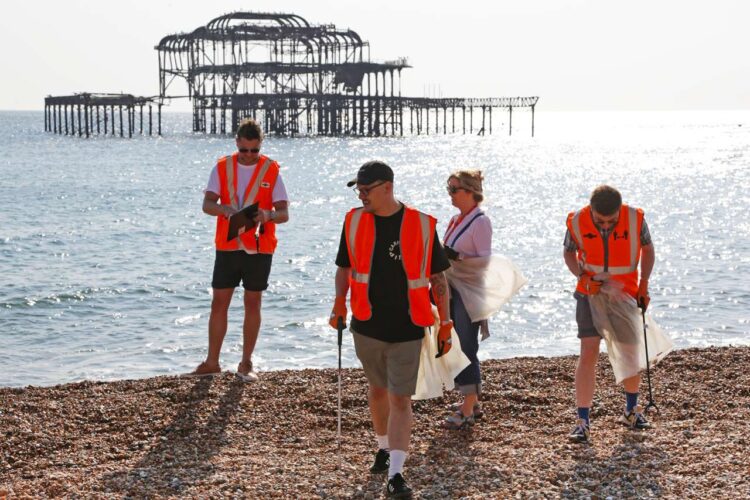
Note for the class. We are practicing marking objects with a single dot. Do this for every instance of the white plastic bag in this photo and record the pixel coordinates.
(438, 374)
(617, 317)
(485, 284)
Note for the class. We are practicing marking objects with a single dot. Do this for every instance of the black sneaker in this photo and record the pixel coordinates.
(635, 419)
(382, 461)
(397, 487)
(582, 433)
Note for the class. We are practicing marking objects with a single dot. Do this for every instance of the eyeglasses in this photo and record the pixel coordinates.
(251, 150)
(454, 189)
(366, 190)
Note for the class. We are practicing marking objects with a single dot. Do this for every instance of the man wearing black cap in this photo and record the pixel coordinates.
(389, 255)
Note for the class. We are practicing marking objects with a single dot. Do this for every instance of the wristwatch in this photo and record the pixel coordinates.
(273, 215)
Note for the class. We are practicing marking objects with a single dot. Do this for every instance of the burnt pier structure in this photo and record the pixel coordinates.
(301, 79)
(88, 114)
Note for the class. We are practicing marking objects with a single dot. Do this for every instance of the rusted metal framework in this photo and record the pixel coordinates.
(95, 114)
(298, 78)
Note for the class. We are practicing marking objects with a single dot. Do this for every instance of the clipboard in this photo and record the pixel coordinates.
(243, 221)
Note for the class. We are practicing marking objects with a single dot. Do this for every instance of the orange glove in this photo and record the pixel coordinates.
(339, 311)
(444, 341)
(642, 296)
(590, 284)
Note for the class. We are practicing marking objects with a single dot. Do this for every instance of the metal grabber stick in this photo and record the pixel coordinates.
(651, 403)
(340, 325)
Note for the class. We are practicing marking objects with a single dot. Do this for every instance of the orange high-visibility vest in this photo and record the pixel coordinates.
(260, 190)
(619, 255)
(416, 240)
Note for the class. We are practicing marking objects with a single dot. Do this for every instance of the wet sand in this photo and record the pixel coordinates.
(173, 437)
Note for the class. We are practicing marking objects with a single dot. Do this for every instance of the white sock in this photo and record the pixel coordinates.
(398, 457)
(382, 442)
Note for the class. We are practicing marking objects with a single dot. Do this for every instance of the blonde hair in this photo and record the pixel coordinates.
(470, 180)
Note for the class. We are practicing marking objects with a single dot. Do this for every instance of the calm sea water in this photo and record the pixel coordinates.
(106, 257)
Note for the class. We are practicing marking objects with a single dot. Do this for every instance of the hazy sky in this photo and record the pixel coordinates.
(574, 54)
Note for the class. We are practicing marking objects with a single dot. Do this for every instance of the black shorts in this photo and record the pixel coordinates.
(233, 266)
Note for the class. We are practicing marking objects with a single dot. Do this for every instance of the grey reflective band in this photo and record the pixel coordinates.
(418, 283)
(610, 270)
(229, 170)
(256, 185)
(353, 226)
(422, 281)
(360, 277)
(634, 237)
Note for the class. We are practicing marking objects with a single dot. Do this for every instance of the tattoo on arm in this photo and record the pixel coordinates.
(439, 285)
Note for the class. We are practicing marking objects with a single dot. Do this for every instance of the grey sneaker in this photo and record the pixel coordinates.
(635, 419)
(581, 433)
(478, 413)
(457, 422)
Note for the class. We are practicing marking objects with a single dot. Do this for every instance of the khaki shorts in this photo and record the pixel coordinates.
(391, 365)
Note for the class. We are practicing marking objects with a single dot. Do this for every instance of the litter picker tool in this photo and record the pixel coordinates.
(651, 403)
(340, 325)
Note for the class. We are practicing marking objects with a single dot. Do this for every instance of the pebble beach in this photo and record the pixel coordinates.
(171, 437)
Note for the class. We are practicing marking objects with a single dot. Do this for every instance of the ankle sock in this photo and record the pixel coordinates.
(382, 442)
(631, 399)
(583, 413)
(398, 457)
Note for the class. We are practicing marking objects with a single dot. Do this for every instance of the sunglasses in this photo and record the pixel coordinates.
(366, 190)
(454, 189)
(251, 150)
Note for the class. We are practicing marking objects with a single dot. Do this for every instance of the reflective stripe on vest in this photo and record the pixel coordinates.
(252, 191)
(363, 278)
(423, 280)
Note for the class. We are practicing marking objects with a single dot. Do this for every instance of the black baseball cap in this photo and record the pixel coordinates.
(370, 172)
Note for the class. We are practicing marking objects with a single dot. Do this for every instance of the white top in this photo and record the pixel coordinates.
(244, 173)
(476, 241)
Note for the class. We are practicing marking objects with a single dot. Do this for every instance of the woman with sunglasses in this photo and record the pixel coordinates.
(469, 235)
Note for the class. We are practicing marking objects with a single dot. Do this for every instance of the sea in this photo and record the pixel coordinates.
(106, 257)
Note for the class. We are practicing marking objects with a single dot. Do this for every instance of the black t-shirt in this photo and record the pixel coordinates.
(390, 321)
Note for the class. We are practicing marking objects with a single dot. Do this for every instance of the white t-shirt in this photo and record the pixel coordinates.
(244, 173)
(476, 241)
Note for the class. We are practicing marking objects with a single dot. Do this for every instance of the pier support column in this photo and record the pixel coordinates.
(510, 120)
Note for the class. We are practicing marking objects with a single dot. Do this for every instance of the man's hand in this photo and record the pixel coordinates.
(227, 210)
(339, 311)
(444, 341)
(590, 284)
(642, 296)
(263, 216)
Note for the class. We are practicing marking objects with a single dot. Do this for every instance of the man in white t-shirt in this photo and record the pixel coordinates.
(243, 181)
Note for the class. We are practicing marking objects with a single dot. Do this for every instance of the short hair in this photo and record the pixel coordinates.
(249, 129)
(606, 200)
(470, 180)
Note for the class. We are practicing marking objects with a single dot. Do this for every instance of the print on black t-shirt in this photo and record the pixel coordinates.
(390, 320)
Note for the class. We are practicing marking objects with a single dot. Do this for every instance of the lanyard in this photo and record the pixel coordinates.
(452, 227)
